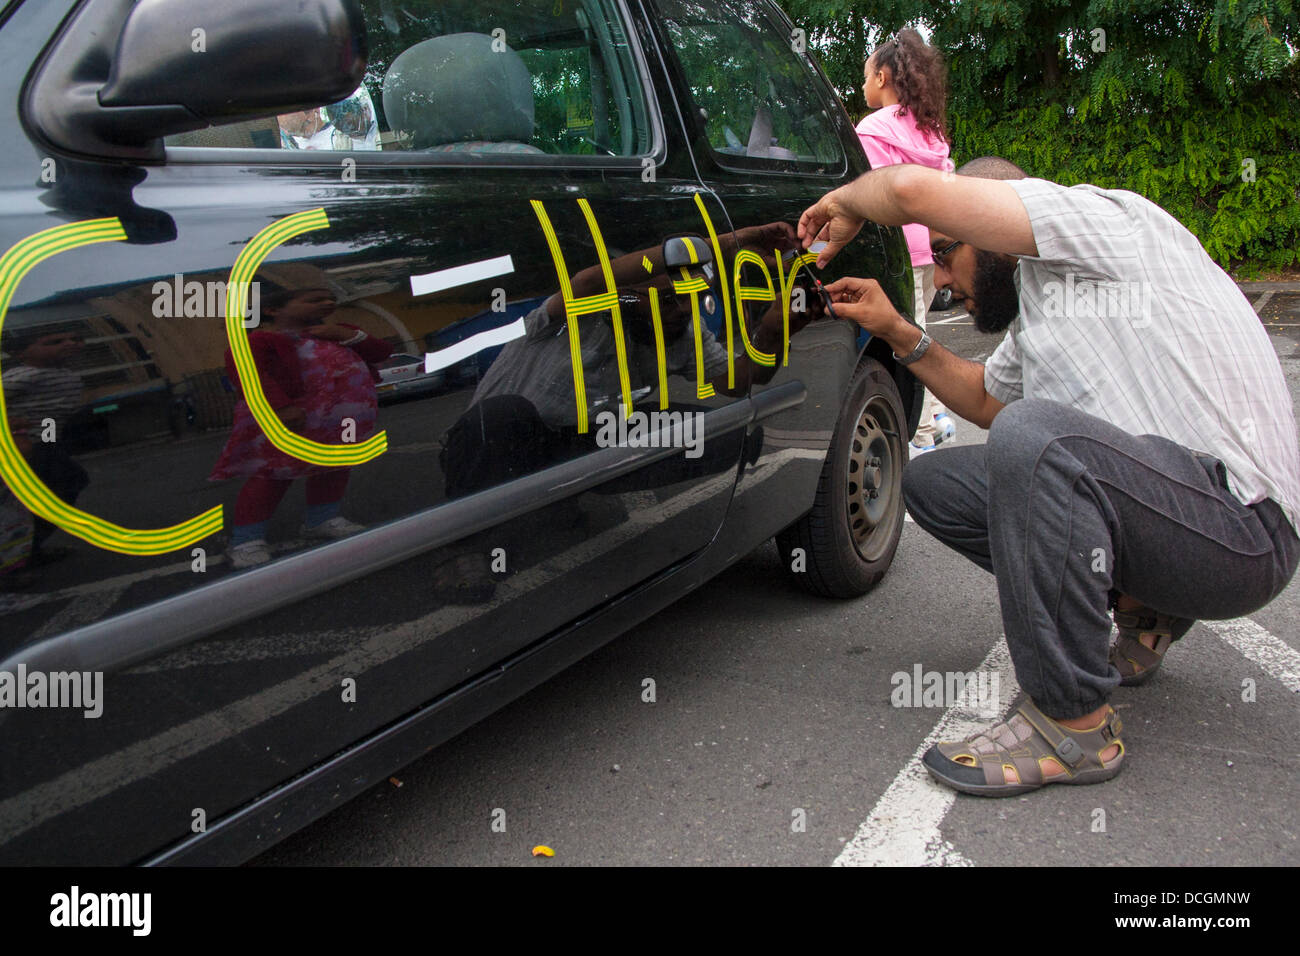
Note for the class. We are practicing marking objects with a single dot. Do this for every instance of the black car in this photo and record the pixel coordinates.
(234, 590)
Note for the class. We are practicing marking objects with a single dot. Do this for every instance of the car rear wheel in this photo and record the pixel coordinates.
(845, 544)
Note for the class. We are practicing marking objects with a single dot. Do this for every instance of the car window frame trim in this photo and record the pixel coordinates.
(688, 109)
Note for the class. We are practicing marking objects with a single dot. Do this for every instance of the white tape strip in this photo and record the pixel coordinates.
(461, 275)
(475, 343)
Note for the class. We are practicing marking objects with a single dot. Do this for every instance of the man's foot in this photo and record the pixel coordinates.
(1030, 750)
(1144, 637)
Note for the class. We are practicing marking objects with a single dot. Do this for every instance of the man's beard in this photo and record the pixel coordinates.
(997, 301)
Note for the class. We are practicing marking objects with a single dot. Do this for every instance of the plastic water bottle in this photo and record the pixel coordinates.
(945, 428)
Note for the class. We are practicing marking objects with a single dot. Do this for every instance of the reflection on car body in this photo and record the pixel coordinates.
(403, 375)
(493, 536)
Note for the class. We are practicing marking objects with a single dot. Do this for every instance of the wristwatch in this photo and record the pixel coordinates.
(916, 353)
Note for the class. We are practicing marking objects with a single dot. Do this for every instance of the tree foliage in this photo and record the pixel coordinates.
(1194, 104)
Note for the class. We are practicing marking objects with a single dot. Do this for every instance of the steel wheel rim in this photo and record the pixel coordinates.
(874, 465)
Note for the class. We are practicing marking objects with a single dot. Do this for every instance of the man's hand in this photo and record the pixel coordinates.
(780, 236)
(863, 301)
(956, 382)
(830, 220)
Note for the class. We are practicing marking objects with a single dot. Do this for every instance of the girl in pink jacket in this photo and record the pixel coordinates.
(906, 84)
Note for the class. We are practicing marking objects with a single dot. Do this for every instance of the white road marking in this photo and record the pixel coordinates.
(1279, 660)
(903, 828)
(475, 343)
(270, 647)
(82, 609)
(959, 316)
(431, 282)
(108, 589)
(1261, 302)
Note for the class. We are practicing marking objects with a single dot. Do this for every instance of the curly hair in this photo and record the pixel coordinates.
(920, 77)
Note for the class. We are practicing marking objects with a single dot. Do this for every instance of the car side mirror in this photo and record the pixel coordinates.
(686, 251)
(122, 75)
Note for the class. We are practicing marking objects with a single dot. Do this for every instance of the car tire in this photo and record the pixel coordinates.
(845, 544)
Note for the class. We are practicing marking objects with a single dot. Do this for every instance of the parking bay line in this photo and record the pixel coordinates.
(1278, 659)
(903, 828)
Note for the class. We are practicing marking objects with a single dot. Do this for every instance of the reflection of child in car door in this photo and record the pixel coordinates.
(906, 84)
(317, 377)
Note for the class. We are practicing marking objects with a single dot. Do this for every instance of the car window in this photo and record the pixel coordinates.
(758, 99)
(524, 77)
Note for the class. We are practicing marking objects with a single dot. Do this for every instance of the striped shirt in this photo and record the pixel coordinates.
(1124, 316)
(40, 393)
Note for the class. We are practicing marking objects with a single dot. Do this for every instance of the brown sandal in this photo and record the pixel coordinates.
(1022, 743)
(1136, 662)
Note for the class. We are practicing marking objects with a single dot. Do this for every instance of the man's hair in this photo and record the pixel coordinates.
(992, 167)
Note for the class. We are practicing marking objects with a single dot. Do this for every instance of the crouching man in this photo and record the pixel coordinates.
(1142, 453)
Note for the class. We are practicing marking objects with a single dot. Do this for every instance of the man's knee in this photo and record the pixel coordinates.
(1023, 430)
(940, 488)
(921, 480)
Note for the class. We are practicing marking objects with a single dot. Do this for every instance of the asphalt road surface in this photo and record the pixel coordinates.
(772, 738)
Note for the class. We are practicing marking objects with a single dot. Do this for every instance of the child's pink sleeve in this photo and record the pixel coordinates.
(372, 349)
(879, 152)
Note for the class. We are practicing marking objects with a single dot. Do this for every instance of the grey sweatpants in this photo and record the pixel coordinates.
(1065, 510)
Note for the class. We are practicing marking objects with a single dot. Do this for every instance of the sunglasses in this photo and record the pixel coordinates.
(941, 254)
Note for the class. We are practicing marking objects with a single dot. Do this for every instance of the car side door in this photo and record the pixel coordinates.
(237, 310)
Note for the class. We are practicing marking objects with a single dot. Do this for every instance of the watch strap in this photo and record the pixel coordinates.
(916, 353)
